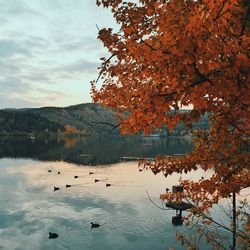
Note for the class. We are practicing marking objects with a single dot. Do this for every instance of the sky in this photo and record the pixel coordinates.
(49, 51)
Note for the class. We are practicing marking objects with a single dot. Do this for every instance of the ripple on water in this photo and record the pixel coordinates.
(128, 220)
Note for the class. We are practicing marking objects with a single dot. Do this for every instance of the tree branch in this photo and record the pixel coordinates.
(245, 20)
(235, 126)
(219, 224)
(107, 123)
(102, 70)
(231, 173)
(220, 10)
(169, 95)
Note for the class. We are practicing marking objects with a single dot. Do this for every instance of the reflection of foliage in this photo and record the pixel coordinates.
(92, 150)
(70, 142)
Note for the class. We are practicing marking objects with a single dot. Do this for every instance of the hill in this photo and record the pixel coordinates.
(88, 118)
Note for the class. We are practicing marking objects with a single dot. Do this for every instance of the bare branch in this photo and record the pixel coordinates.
(107, 123)
(108, 60)
(245, 20)
(97, 27)
(219, 14)
(154, 203)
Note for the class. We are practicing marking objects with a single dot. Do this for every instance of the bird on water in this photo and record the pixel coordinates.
(53, 235)
(94, 225)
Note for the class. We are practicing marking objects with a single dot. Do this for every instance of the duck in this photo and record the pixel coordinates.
(76, 176)
(56, 188)
(108, 184)
(53, 235)
(94, 225)
(67, 186)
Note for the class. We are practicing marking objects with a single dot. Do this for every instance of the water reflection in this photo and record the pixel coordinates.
(93, 150)
(30, 209)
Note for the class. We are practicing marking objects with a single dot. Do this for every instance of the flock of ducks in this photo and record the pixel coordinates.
(76, 177)
(93, 225)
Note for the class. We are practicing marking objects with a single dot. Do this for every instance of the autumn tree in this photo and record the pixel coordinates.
(175, 53)
(70, 130)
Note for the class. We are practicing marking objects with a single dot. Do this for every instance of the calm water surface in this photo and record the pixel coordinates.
(30, 208)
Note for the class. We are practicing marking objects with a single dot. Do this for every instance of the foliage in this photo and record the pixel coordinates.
(169, 54)
(70, 130)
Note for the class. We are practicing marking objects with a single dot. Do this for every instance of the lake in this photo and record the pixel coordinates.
(30, 208)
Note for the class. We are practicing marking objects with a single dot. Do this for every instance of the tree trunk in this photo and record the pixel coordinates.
(234, 221)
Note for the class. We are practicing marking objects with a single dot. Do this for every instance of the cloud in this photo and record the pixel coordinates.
(8, 67)
(14, 102)
(85, 43)
(9, 48)
(37, 77)
(48, 45)
(33, 43)
(3, 21)
(13, 84)
(17, 92)
(18, 7)
(82, 66)
(48, 94)
(36, 97)
(77, 69)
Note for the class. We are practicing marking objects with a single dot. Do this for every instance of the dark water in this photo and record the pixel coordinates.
(30, 208)
(94, 150)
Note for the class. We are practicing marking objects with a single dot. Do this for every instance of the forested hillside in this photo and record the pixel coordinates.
(86, 118)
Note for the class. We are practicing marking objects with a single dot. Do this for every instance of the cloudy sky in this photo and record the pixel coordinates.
(49, 51)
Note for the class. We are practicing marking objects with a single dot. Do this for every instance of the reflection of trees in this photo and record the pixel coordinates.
(92, 150)
(70, 142)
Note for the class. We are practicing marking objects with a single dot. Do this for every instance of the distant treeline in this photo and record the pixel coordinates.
(86, 118)
(82, 119)
(181, 129)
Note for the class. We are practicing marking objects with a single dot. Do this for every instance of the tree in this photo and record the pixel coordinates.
(169, 54)
(70, 130)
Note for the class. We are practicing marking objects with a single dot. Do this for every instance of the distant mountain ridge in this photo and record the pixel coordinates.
(88, 118)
